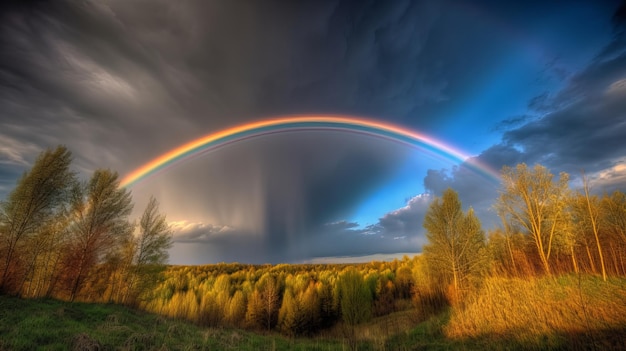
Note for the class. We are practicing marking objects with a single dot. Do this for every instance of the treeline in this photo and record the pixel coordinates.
(67, 239)
(293, 299)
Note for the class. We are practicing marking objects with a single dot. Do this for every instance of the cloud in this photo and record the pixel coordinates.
(585, 129)
(398, 231)
(15, 152)
(359, 259)
(578, 128)
(185, 231)
(123, 85)
(406, 221)
(120, 85)
(610, 179)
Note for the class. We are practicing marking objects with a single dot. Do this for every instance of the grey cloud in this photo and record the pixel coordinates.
(190, 232)
(510, 123)
(120, 85)
(341, 225)
(353, 242)
(406, 221)
(398, 231)
(586, 134)
(474, 191)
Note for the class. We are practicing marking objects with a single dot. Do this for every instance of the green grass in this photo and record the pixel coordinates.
(56, 325)
(496, 318)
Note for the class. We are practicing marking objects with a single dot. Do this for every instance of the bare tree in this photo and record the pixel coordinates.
(532, 200)
(587, 212)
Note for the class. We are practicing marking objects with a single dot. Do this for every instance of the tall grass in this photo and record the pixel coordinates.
(530, 309)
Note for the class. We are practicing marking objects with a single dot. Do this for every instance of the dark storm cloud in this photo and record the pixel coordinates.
(277, 57)
(122, 82)
(119, 84)
(72, 75)
(109, 73)
(587, 128)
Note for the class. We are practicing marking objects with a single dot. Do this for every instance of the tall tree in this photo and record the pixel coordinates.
(456, 242)
(614, 214)
(40, 195)
(533, 201)
(587, 217)
(100, 225)
(270, 296)
(355, 298)
(155, 236)
(291, 316)
(149, 251)
(613, 219)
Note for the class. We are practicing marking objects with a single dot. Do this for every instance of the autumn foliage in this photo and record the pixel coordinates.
(73, 240)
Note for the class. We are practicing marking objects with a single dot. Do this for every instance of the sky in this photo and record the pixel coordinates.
(121, 83)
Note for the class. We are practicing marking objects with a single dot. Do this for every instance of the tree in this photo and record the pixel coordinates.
(270, 296)
(614, 214)
(593, 208)
(291, 316)
(40, 196)
(155, 236)
(236, 311)
(264, 303)
(355, 298)
(456, 242)
(586, 218)
(99, 225)
(613, 219)
(532, 200)
(149, 251)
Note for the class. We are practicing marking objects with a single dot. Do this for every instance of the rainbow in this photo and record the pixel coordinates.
(284, 124)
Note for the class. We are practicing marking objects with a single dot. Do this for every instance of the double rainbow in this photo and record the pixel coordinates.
(291, 123)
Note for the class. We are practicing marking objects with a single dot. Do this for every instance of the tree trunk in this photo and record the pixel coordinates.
(592, 264)
(573, 254)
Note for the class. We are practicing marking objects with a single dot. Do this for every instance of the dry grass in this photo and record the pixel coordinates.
(526, 309)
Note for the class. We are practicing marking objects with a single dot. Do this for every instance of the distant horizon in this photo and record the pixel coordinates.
(325, 260)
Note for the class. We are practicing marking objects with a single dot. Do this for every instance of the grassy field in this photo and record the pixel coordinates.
(56, 325)
(549, 313)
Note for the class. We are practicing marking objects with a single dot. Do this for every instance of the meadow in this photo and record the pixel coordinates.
(573, 312)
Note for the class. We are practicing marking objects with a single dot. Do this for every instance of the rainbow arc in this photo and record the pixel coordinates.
(358, 125)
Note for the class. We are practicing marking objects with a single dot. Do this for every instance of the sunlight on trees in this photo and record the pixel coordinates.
(149, 252)
(27, 219)
(63, 238)
(99, 225)
(532, 200)
(456, 242)
(355, 298)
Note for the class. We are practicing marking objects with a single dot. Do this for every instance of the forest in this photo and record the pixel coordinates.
(559, 250)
